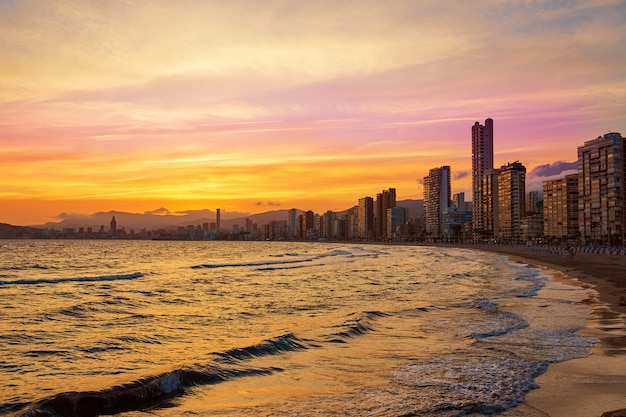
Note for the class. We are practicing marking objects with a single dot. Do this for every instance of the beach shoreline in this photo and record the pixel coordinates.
(592, 386)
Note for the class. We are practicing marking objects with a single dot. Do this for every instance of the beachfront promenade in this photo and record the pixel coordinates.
(555, 249)
(573, 250)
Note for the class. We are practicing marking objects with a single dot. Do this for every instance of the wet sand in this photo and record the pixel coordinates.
(594, 386)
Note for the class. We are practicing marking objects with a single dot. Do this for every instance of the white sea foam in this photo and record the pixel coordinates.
(485, 384)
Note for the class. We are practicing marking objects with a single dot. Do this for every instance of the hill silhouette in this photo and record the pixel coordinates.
(162, 218)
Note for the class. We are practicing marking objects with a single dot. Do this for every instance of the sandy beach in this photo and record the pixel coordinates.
(594, 386)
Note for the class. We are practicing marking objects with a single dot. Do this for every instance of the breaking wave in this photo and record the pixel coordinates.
(275, 264)
(157, 389)
(75, 279)
(251, 264)
(485, 384)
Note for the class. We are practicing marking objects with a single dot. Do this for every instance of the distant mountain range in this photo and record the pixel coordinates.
(164, 219)
(8, 231)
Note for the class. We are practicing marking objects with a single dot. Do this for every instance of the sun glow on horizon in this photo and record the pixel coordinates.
(307, 105)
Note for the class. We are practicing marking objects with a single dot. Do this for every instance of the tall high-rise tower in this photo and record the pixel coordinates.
(490, 204)
(292, 222)
(384, 201)
(601, 189)
(437, 193)
(365, 216)
(482, 161)
(511, 201)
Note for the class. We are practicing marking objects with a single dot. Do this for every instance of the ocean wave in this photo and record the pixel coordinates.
(275, 264)
(76, 279)
(356, 327)
(279, 268)
(26, 267)
(483, 319)
(485, 384)
(498, 323)
(146, 392)
(281, 344)
(537, 283)
(157, 389)
(552, 346)
(251, 264)
(534, 276)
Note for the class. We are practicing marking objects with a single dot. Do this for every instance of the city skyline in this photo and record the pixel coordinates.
(199, 105)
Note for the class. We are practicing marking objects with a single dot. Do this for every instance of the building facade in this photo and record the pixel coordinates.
(560, 209)
(511, 201)
(532, 202)
(395, 217)
(437, 198)
(490, 205)
(601, 190)
(454, 223)
(531, 227)
(328, 229)
(293, 222)
(384, 201)
(365, 215)
(458, 201)
(482, 162)
(306, 225)
(352, 223)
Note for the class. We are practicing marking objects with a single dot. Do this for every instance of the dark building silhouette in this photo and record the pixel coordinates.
(384, 201)
(365, 218)
(482, 163)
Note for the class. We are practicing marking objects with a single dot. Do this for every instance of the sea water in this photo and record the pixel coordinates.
(275, 328)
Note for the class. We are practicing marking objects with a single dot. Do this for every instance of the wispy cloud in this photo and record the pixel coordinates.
(141, 101)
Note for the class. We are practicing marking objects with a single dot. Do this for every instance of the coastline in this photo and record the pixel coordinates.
(604, 273)
(594, 385)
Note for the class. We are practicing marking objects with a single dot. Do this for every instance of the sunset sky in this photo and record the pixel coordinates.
(255, 106)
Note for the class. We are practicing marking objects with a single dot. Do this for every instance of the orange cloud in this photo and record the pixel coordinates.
(311, 106)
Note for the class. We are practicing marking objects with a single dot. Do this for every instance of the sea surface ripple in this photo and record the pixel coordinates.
(129, 328)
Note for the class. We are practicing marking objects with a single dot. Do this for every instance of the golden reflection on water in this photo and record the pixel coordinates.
(320, 377)
(313, 326)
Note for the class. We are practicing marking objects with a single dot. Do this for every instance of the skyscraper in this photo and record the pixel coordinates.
(352, 223)
(437, 195)
(306, 225)
(491, 205)
(511, 201)
(482, 161)
(601, 189)
(292, 221)
(365, 216)
(384, 201)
